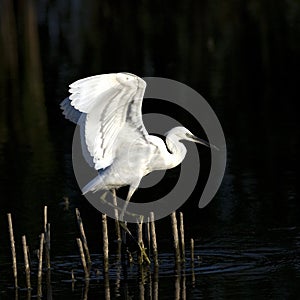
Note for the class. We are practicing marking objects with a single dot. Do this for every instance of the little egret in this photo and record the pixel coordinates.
(114, 139)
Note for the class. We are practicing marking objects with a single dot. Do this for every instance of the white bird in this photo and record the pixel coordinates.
(114, 139)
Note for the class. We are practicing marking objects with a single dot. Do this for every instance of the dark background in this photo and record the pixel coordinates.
(241, 56)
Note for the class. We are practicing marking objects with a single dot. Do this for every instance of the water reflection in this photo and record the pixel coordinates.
(228, 268)
(86, 290)
(107, 288)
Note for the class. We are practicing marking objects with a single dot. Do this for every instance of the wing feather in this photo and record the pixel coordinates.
(113, 110)
(87, 92)
(135, 110)
(69, 111)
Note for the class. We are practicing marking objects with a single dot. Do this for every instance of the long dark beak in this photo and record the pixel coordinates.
(202, 142)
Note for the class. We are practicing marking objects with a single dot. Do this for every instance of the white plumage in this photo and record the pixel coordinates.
(114, 139)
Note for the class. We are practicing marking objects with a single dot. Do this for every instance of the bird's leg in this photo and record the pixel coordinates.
(132, 189)
(123, 224)
(121, 236)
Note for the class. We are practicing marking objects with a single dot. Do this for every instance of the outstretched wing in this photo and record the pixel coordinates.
(112, 104)
(70, 112)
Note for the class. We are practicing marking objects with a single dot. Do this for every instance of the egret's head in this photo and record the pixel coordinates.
(127, 79)
(183, 133)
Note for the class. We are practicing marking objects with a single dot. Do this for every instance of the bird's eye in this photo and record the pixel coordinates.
(127, 78)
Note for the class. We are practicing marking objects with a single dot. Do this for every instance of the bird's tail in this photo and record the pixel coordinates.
(93, 186)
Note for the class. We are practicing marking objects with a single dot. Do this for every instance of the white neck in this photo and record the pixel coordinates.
(177, 149)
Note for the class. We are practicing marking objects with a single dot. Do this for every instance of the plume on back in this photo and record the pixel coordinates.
(106, 107)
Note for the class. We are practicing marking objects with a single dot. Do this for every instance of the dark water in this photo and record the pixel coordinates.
(242, 56)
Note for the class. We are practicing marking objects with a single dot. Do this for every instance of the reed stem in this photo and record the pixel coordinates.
(140, 241)
(47, 237)
(39, 285)
(45, 217)
(153, 236)
(182, 237)
(175, 237)
(105, 243)
(83, 237)
(192, 251)
(13, 249)
(83, 261)
(26, 262)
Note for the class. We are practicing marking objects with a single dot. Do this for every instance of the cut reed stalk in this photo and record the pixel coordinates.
(47, 246)
(153, 237)
(45, 217)
(13, 250)
(41, 249)
(83, 261)
(148, 236)
(140, 241)
(175, 237)
(182, 237)
(105, 243)
(26, 262)
(83, 237)
(47, 237)
(192, 250)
